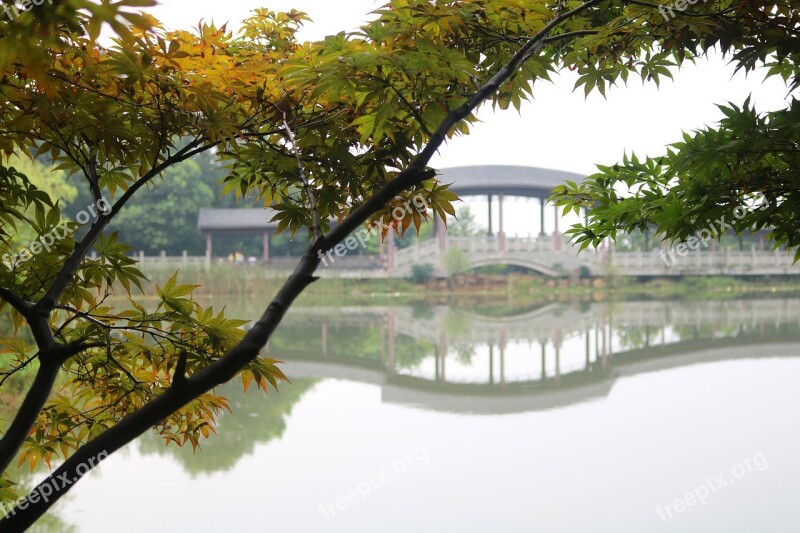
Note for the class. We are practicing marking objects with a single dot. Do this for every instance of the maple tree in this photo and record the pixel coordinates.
(339, 129)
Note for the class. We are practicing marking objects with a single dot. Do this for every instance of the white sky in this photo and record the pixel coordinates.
(559, 129)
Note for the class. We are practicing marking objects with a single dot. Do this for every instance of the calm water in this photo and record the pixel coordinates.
(624, 417)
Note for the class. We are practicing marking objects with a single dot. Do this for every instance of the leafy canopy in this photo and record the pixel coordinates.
(318, 131)
(742, 170)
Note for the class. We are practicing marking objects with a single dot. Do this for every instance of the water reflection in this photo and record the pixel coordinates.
(455, 360)
(605, 415)
(252, 420)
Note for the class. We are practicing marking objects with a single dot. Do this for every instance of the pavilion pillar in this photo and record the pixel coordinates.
(490, 216)
(544, 360)
(502, 356)
(266, 247)
(501, 234)
(502, 364)
(588, 350)
(491, 363)
(556, 233)
(541, 216)
(209, 247)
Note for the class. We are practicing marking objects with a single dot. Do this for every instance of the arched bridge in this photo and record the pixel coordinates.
(542, 251)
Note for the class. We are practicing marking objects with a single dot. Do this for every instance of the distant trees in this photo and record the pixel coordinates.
(166, 217)
(464, 225)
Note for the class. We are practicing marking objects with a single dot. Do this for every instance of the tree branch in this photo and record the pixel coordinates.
(301, 171)
(49, 364)
(21, 306)
(570, 35)
(50, 299)
(224, 369)
(67, 272)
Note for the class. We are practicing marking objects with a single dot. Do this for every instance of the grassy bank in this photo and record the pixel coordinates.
(517, 288)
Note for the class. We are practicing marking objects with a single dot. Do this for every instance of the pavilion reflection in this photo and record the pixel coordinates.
(559, 354)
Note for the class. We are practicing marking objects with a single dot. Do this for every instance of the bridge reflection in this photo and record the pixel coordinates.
(454, 360)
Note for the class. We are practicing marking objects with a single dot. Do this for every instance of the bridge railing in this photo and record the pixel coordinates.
(754, 261)
(496, 244)
(539, 252)
(418, 253)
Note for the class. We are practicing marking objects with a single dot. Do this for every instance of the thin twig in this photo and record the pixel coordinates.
(301, 171)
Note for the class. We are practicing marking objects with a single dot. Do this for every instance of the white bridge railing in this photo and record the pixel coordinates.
(535, 253)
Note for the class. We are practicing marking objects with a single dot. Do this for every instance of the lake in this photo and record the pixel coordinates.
(574, 416)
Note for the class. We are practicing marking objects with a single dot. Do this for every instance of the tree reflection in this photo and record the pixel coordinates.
(254, 419)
